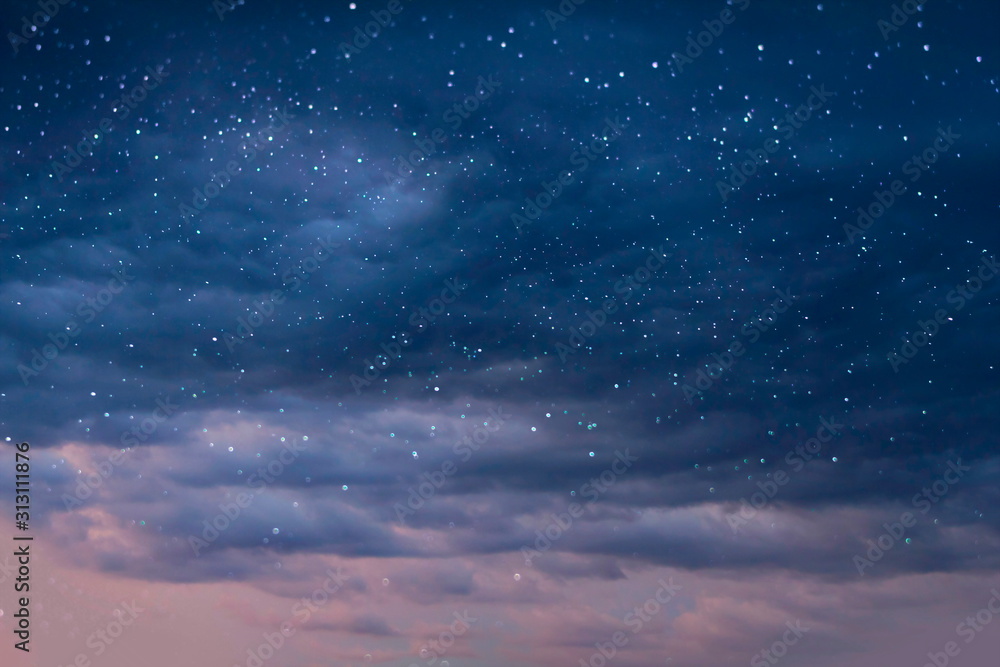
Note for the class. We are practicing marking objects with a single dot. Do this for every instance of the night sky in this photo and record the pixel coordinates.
(524, 334)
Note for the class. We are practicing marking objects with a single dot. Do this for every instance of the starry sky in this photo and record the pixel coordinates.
(512, 333)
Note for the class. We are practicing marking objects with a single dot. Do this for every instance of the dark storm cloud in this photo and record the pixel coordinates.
(322, 177)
